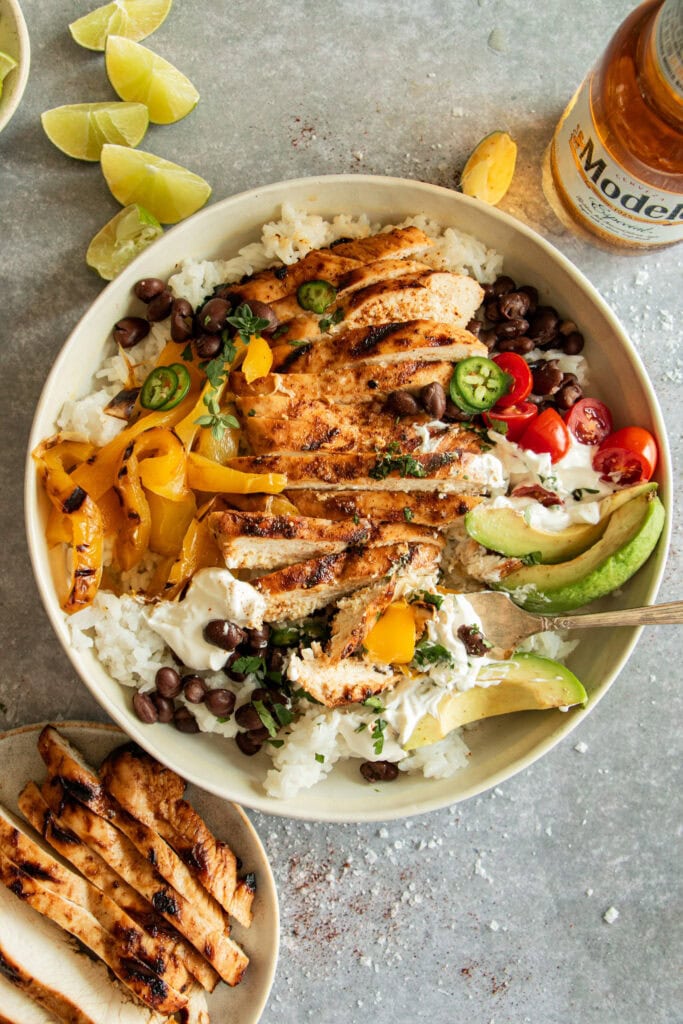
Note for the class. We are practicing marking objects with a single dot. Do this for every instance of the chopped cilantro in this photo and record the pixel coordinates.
(276, 743)
(533, 558)
(391, 460)
(320, 758)
(362, 727)
(186, 354)
(425, 597)
(378, 735)
(408, 514)
(427, 653)
(374, 702)
(266, 717)
(250, 665)
(283, 714)
(330, 321)
(578, 492)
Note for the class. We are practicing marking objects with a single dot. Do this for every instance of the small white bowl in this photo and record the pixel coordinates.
(14, 41)
(501, 746)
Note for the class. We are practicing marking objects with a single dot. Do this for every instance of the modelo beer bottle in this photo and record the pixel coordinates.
(615, 165)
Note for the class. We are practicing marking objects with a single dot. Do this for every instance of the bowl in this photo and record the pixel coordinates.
(501, 746)
(14, 40)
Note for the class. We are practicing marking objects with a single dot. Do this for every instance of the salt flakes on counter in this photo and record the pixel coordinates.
(581, 747)
(610, 915)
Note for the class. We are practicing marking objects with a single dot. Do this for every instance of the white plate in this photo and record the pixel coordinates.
(245, 1003)
(501, 746)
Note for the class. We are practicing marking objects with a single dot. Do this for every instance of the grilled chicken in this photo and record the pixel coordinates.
(398, 340)
(299, 590)
(426, 295)
(41, 960)
(334, 683)
(141, 954)
(355, 617)
(131, 848)
(16, 1007)
(55, 831)
(250, 540)
(461, 471)
(399, 242)
(483, 565)
(434, 509)
(154, 795)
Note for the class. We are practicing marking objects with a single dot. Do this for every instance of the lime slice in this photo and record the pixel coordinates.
(170, 192)
(7, 64)
(488, 172)
(121, 239)
(140, 75)
(81, 129)
(134, 19)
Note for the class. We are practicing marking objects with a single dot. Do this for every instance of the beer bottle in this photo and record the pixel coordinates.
(614, 168)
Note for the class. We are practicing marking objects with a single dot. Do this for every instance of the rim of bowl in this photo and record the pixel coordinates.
(295, 808)
(11, 98)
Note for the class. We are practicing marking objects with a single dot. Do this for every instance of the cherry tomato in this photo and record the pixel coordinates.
(628, 456)
(516, 418)
(547, 433)
(590, 421)
(522, 380)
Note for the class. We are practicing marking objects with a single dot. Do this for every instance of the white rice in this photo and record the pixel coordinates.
(116, 627)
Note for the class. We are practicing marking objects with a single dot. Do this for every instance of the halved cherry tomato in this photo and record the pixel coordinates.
(628, 456)
(590, 421)
(547, 433)
(515, 417)
(522, 381)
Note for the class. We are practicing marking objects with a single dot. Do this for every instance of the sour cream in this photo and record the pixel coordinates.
(460, 673)
(212, 594)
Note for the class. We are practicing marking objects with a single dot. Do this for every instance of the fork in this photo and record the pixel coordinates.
(504, 624)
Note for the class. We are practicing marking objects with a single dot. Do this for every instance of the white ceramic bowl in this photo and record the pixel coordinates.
(14, 40)
(501, 746)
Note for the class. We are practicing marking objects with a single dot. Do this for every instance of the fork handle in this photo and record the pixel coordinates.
(652, 615)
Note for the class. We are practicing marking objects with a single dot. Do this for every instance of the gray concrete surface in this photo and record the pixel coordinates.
(490, 912)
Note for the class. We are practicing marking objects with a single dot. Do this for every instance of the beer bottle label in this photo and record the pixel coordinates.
(669, 45)
(603, 193)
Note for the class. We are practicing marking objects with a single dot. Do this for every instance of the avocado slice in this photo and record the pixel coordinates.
(629, 540)
(527, 683)
(506, 531)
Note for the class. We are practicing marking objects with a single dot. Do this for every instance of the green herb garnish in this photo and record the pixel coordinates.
(266, 717)
(246, 323)
(425, 597)
(391, 459)
(378, 735)
(427, 653)
(320, 758)
(330, 321)
(375, 703)
(250, 665)
(408, 514)
(578, 492)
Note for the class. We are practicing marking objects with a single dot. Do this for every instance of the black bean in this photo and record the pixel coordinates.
(277, 697)
(474, 642)
(247, 717)
(208, 345)
(433, 398)
(276, 660)
(181, 320)
(145, 709)
(213, 316)
(503, 284)
(237, 677)
(148, 288)
(130, 331)
(488, 337)
(514, 305)
(573, 343)
(224, 634)
(532, 293)
(165, 707)
(185, 721)
(547, 379)
(454, 414)
(520, 345)
(160, 306)
(474, 326)
(264, 312)
(220, 702)
(492, 311)
(568, 395)
(379, 771)
(261, 693)
(246, 744)
(258, 735)
(543, 325)
(195, 689)
(168, 682)
(258, 638)
(511, 328)
(401, 403)
(570, 378)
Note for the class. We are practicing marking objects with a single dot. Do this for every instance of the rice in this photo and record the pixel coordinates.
(116, 628)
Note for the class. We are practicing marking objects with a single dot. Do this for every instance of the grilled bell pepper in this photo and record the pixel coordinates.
(205, 475)
(392, 639)
(258, 360)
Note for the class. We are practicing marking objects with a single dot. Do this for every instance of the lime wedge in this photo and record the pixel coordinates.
(139, 75)
(490, 167)
(81, 129)
(7, 64)
(170, 192)
(121, 239)
(134, 19)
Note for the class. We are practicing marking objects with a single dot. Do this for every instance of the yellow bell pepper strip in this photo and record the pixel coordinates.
(199, 551)
(219, 446)
(133, 540)
(97, 474)
(85, 521)
(188, 428)
(112, 514)
(392, 639)
(164, 469)
(170, 521)
(258, 360)
(57, 528)
(70, 453)
(208, 476)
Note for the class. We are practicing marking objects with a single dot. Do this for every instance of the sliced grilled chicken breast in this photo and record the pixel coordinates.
(55, 831)
(153, 795)
(299, 590)
(399, 242)
(280, 394)
(334, 683)
(41, 960)
(23, 851)
(428, 295)
(85, 927)
(355, 617)
(16, 1007)
(389, 342)
(426, 509)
